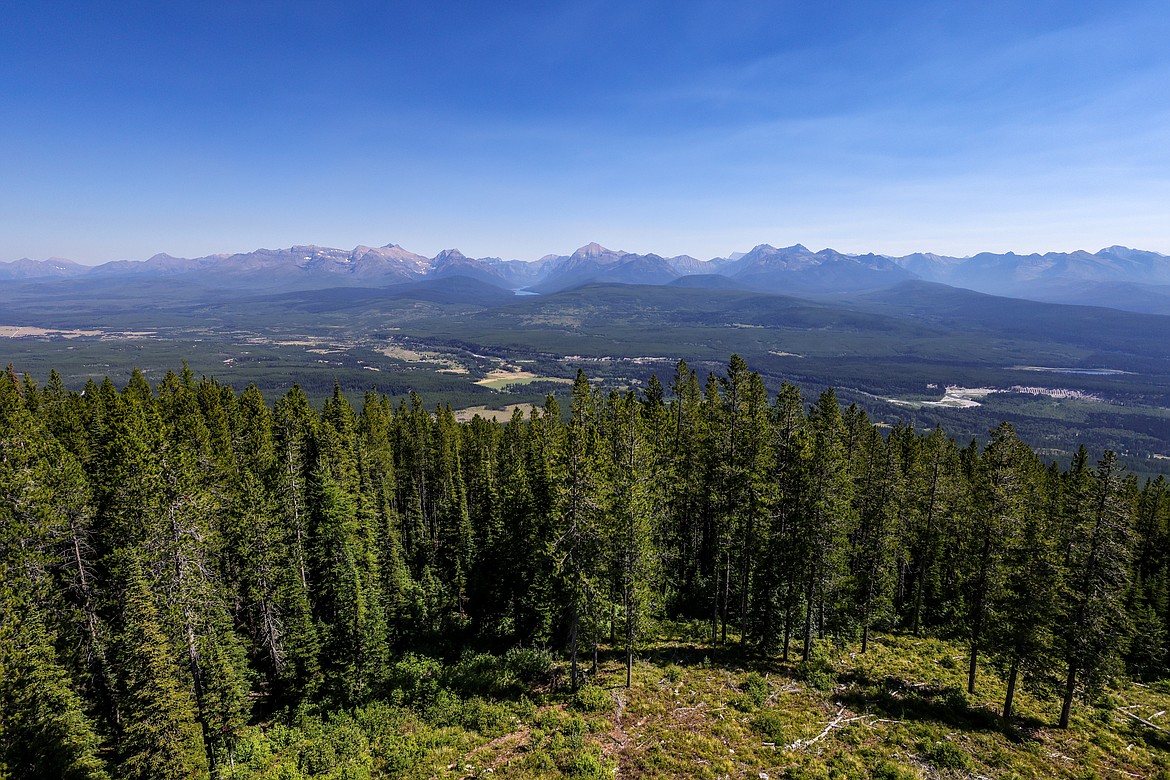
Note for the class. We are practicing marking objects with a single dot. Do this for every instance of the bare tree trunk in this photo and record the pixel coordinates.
(726, 595)
(1011, 688)
(715, 613)
(1070, 686)
(743, 582)
(972, 666)
(808, 616)
(573, 651)
(787, 630)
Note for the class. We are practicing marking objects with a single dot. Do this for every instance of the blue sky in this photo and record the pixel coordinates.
(516, 129)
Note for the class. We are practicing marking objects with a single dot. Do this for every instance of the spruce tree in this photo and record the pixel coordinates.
(160, 735)
(1001, 491)
(579, 536)
(827, 516)
(44, 729)
(1096, 580)
(633, 512)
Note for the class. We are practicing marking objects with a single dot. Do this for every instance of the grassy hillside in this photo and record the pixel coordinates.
(899, 711)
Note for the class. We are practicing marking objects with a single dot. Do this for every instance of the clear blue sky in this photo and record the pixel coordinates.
(519, 128)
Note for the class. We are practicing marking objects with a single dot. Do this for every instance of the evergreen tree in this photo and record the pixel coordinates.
(1001, 489)
(378, 514)
(786, 555)
(827, 515)
(933, 488)
(878, 484)
(688, 502)
(632, 511)
(160, 736)
(44, 730)
(579, 522)
(1097, 577)
(1022, 612)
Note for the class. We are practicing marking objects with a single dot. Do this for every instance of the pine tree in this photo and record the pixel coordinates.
(632, 510)
(44, 729)
(579, 522)
(1001, 489)
(453, 541)
(1149, 599)
(1097, 578)
(295, 428)
(877, 491)
(786, 550)
(747, 460)
(827, 516)
(1021, 613)
(688, 502)
(160, 736)
(933, 496)
(346, 601)
(378, 514)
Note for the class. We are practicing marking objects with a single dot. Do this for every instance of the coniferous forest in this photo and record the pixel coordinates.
(194, 579)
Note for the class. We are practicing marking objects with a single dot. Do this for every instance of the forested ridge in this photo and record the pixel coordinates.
(186, 568)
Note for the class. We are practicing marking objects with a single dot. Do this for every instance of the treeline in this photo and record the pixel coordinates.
(180, 560)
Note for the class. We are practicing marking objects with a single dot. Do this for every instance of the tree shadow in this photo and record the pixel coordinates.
(730, 657)
(927, 702)
(1153, 738)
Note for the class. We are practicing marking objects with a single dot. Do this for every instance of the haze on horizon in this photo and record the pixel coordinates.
(677, 128)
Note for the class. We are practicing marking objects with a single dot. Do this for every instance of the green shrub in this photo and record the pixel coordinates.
(755, 687)
(525, 709)
(673, 673)
(945, 755)
(443, 708)
(1102, 715)
(414, 677)
(528, 664)
(489, 719)
(479, 673)
(771, 725)
(590, 698)
(818, 672)
(585, 765)
(888, 770)
(540, 762)
(337, 746)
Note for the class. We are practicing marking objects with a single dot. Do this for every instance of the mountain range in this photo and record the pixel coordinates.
(1117, 277)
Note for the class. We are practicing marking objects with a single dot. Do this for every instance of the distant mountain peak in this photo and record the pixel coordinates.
(448, 255)
(1138, 277)
(592, 249)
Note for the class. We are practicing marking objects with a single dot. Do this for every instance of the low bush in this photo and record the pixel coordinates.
(527, 664)
(755, 687)
(945, 755)
(818, 672)
(591, 698)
